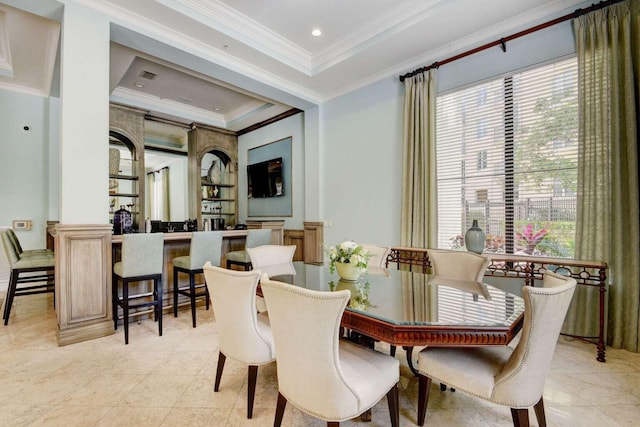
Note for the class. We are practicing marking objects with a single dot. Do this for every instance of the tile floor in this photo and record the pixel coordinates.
(168, 381)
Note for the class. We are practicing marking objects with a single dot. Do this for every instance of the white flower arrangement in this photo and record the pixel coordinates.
(348, 252)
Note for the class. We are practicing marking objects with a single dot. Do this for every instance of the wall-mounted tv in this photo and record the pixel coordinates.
(265, 179)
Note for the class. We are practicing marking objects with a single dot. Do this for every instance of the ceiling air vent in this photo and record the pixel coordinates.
(148, 75)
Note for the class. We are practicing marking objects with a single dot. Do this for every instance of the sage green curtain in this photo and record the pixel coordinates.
(607, 226)
(419, 213)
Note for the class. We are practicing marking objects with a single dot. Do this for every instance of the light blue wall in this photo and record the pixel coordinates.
(24, 164)
(290, 127)
(362, 153)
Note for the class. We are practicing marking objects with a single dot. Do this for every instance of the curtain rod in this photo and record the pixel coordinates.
(503, 41)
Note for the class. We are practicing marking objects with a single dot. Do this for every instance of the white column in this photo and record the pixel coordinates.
(84, 116)
(83, 236)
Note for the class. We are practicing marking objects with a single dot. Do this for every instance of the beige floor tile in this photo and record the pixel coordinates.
(169, 380)
(72, 416)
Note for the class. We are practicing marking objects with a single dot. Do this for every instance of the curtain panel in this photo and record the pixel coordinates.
(419, 218)
(607, 229)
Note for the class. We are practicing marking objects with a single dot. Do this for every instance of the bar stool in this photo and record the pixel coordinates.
(37, 269)
(142, 258)
(205, 246)
(29, 252)
(255, 237)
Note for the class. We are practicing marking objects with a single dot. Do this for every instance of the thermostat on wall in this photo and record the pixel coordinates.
(22, 224)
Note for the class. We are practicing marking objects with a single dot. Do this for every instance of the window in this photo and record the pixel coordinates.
(482, 160)
(526, 174)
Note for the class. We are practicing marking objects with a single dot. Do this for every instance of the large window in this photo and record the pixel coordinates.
(522, 190)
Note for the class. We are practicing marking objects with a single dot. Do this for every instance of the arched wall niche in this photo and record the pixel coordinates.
(126, 125)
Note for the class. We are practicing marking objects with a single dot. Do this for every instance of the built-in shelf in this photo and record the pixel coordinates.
(125, 177)
(124, 195)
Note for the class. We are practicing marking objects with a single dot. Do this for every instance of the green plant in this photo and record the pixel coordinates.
(529, 238)
(348, 252)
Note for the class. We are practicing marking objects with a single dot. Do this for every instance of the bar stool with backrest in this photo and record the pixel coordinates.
(206, 246)
(37, 269)
(255, 237)
(29, 252)
(142, 259)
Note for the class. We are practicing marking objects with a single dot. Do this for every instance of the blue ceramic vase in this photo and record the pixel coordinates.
(474, 238)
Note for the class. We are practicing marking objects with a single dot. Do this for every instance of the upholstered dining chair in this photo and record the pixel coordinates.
(205, 246)
(142, 259)
(456, 269)
(245, 335)
(320, 374)
(507, 376)
(378, 259)
(255, 237)
(36, 270)
(457, 265)
(379, 255)
(273, 260)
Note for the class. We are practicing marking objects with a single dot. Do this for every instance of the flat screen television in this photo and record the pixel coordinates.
(265, 179)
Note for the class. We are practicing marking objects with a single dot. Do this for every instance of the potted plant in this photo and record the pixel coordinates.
(349, 259)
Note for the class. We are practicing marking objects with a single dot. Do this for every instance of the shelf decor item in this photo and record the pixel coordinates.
(349, 259)
(214, 174)
(475, 238)
(122, 222)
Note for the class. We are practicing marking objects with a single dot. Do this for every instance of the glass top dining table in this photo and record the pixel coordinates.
(412, 309)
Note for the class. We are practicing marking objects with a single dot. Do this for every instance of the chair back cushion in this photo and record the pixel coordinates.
(305, 325)
(14, 239)
(258, 237)
(142, 254)
(9, 248)
(521, 381)
(273, 260)
(379, 255)
(206, 246)
(459, 265)
(233, 296)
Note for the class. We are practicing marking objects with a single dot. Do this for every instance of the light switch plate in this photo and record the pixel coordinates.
(21, 224)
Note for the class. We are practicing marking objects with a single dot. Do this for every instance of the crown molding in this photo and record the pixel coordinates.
(6, 66)
(244, 109)
(53, 37)
(131, 97)
(513, 24)
(23, 89)
(181, 41)
(372, 33)
(220, 17)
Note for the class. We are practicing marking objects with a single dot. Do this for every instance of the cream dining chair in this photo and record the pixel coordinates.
(458, 269)
(379, 255)
(245, 335)
(507, 376)
(273, 260)
(320, 374)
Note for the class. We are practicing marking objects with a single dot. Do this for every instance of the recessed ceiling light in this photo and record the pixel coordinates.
(140, 85)
(217, 108)
(316, 32)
